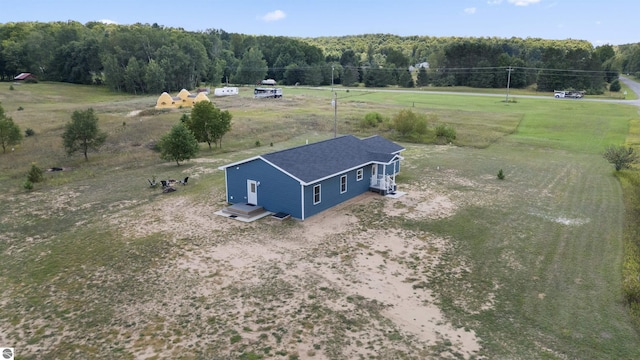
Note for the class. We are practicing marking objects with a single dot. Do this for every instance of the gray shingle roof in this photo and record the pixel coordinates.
(319, 160)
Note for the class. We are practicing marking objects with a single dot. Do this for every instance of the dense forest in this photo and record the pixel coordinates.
(143, 58)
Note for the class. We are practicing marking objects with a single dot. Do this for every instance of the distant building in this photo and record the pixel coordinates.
(184, 99)
(225, 91)
(415, 67)
(25, 76)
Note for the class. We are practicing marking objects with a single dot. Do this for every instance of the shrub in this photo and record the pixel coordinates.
(620, 156)
(35, 174)
(615, 86)
(500, 174)
(371, 120)
(20, 108)
(11, 87)
(28, 185)
(29, 132)
(258, 143)
(445, 132)
(420, 126)
(405, 122)
(235, 338)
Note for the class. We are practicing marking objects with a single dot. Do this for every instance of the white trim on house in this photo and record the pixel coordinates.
(319, 187)
(302, 199)
(395, 158)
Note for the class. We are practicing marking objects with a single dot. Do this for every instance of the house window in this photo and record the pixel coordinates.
(343, 184)
(359, 174)
(316, 194)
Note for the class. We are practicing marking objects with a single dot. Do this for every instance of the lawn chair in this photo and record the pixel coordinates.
(184, 182)
(152, 183)
(164, 183)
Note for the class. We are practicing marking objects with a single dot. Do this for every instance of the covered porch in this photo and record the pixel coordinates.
(383, 184)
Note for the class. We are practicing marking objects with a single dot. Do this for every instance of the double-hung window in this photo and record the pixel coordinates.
(343, 184)
(359, 174)
(316, 194)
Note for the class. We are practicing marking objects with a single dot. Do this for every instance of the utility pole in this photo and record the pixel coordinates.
(508, 83)
(334, 102)
(332, 78)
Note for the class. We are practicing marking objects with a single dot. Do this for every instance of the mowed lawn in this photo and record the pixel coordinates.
(534, 266)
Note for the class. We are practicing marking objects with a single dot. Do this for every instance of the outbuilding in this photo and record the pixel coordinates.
(24, 77)
(305, 180)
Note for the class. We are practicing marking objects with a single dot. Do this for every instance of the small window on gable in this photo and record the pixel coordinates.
(316, 194)
(359, 175)
(343, 184)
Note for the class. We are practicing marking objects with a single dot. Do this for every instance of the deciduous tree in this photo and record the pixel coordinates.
(252, 67)
(10, 133)
(208, 123)
(82, 133)
(178, 144)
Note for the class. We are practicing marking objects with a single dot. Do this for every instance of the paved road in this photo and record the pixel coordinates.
(633, 85)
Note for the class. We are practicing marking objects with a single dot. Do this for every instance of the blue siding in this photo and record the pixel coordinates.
(277, 191)
(390, 168)
(330, 191)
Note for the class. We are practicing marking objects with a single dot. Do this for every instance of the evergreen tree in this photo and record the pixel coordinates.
(423, 78)
(349, 76)
(405, 79)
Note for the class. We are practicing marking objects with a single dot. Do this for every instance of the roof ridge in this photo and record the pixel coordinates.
(304, 145)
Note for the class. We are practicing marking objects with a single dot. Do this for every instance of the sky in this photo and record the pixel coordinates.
(601, 22)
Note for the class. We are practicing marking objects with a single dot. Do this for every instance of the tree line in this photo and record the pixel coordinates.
(143, 58)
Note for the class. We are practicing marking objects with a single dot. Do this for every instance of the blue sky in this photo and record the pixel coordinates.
(598, 21)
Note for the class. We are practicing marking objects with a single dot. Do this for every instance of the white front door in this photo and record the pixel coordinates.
(252, 192)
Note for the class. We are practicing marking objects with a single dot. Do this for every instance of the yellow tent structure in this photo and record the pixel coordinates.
(184, 99)
(165, 101)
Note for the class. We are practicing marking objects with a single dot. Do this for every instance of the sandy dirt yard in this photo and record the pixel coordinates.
(335, 286)
(349, 283)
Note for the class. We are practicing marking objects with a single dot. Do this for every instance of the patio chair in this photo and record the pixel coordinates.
(164, 183)
(152, 183)
(184, 182)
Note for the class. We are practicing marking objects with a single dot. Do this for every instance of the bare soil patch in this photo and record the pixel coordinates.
(324, 288)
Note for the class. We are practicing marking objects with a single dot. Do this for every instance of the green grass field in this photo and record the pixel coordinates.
(533, 263)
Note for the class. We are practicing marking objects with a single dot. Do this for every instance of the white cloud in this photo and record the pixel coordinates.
(471, 10)
(107, 21)
(523, 2)
(494, 2)
(274, 16)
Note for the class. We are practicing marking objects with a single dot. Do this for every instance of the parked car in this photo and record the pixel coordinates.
(568, 94)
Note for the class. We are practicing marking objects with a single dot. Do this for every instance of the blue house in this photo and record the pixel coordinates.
(305, 180)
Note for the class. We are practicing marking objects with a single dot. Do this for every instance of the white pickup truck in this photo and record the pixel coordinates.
(568, 94)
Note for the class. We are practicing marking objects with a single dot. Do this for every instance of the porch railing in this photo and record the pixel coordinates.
(382, 182)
